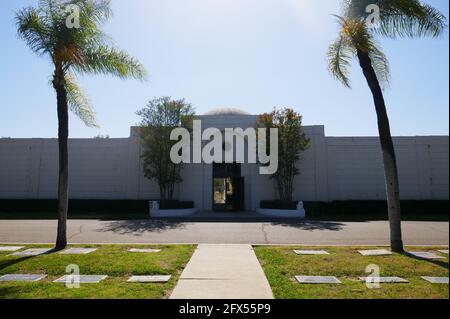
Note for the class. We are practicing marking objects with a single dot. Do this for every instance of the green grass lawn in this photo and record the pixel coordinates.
(281, 265)
(111, 260)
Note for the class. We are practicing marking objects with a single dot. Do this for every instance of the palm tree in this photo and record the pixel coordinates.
(73, 50)
(398, 18)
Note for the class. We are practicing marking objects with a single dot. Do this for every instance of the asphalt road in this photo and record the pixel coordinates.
(213, 232)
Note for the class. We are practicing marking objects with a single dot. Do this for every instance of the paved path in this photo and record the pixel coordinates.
(275, 232)
(223, 272)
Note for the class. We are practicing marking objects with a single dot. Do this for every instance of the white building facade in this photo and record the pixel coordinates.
(334, 168)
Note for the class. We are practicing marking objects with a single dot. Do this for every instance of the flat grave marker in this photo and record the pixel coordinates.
(78, 251)
(32, 252)
(149, 279)
(436, 280)
(84, 279)
(375, 252)
(136, 250)
(384, 280)
(311, 252)
(10, 248)
(317, 280)
(425, 255)
(22, 277)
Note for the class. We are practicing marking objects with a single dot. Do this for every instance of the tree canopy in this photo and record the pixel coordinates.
(76, 49)
(158, 119)
(291, 143)
(397, 18)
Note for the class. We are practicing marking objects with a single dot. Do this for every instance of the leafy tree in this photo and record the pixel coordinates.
(398, 18)
(75, 46)
(291, 143)
(159, 118)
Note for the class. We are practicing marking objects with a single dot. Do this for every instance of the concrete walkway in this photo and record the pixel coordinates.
(223, 272)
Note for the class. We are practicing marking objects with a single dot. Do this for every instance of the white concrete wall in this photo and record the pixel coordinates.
(355, 168)
(334, 168)
(29, 168)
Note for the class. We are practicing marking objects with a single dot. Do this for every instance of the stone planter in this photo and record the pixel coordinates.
(156, 212)
(284, 213)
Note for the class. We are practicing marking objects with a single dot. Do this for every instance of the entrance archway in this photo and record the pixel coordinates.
(228, 188)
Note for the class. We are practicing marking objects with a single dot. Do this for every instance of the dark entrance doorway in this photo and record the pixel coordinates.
(228, 188)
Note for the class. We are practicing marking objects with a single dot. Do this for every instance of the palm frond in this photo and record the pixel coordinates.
(380, 64)
(400, 18)
(98, 11)
(339, 57)
(356, 36)
(421, 21)
(109, 60)
(79, 103)
(84, 49)
(33, 30)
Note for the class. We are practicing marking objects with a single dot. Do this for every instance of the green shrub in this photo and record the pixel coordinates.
(367, 208)
(75, 206)
(279, 204)
(175, 204)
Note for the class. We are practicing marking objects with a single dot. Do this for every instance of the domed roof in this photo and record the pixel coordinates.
(226, 111)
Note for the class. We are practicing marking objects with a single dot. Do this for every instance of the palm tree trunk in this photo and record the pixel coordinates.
(387, 148)
(63, 181)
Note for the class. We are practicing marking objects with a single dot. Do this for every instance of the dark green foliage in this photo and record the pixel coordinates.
(377, 210)
(174, 204)
(139, 209)
(400, 18)
(159, 118)
(278, 204)
(431, 210)
(292, 142)
(78, 208)
(76, 51)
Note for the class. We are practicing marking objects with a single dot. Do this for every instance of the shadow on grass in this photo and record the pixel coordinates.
(8, 263)
(11, 262)
(10, 292)
(436, 262)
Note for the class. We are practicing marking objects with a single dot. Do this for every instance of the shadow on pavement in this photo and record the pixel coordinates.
(310, 225)
(138, 227)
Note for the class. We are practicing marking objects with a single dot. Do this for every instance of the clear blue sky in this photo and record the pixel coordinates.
(251, 54)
